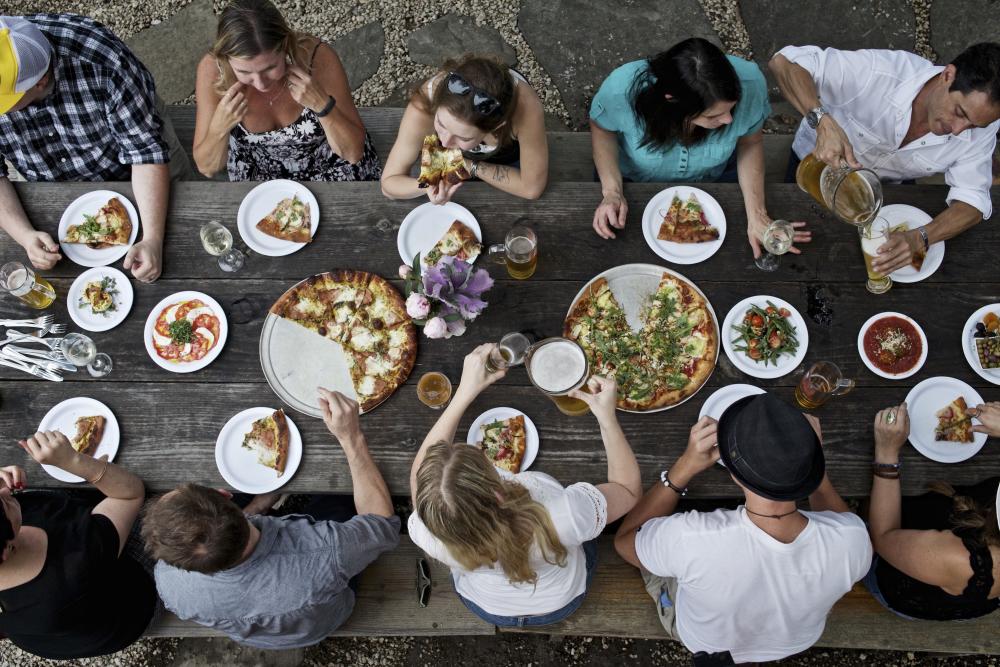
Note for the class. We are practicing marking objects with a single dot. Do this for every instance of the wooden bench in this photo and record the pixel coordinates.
(616, 606)
(570, 157)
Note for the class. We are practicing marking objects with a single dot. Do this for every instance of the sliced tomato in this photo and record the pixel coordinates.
(754, 353)
(774, 340)
(756, 321)
(784, 312)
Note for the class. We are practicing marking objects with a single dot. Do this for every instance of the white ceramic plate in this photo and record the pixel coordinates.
(84, 317)
(531, 446)
(898, 214)
(90, 204)
(682, 253)
(923, 402)
(786, 363)
(239, 466)
(722, 398)
(188, 366)
(424, 226)
(63, 418)
(259, 203)
(969, 343)
(875, 369)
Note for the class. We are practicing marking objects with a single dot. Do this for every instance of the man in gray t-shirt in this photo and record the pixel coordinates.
(271, 582)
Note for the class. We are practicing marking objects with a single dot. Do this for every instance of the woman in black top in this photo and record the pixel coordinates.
(66, 590)
(938, 555)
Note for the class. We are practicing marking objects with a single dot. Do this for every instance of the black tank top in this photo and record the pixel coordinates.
(906, 595)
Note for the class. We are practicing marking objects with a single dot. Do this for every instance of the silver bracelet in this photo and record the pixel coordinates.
(923, 235)
(474, 168)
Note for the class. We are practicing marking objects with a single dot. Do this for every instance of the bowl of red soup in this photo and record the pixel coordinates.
(892, 345)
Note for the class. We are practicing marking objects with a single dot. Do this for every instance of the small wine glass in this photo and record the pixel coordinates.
(777, 240)
(80, 350)
(218, 241)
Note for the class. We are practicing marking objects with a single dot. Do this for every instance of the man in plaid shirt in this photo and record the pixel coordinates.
(77, 105)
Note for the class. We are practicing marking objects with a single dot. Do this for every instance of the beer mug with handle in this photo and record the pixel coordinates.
(20, 281)
(557, 366)
(853, 195)
(519, 251)
(820, 382)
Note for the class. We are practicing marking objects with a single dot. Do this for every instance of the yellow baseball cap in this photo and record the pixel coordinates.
(24, 59)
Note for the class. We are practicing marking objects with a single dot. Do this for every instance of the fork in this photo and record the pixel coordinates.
(38, 357)
(21, 337)
(52, 329)
(37, 371)
(37, 323)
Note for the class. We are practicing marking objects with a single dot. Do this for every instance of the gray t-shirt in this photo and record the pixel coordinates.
(292, 591)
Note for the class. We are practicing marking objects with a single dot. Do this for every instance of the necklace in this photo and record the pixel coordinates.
(771, 516)
(281, 88)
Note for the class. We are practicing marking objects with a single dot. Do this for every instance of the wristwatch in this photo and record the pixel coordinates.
(815, 116)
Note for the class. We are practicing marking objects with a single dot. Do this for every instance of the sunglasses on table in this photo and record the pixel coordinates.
(423, 582)
(484, 103)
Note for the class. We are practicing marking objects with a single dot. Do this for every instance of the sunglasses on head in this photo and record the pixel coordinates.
(423, 582)
(484, 103)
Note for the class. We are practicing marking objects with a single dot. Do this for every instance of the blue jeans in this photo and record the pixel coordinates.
(590, 551)
(871, 583)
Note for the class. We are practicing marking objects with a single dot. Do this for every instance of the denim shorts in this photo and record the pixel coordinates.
(871, 583)
(590, 551)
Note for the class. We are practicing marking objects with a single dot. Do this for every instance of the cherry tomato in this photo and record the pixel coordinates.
(771, 310)
(774, 340)
(753, 343)
(784, 312)
(755, 353)
(756, 321)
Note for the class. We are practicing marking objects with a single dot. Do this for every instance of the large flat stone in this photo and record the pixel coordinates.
(954, 28)
(361, 52)
(452, 35)
(171, 49)
(579, 42)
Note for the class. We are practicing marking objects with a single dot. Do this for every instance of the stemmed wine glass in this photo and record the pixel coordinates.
(218, 241)
(80, 350)
(777, 240)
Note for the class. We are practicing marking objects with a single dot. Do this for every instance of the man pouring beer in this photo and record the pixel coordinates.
(905, 118)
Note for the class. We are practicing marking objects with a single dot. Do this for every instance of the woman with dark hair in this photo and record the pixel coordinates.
(491, 113)
(691, 113)
(67, 590)
(275, 103)
(938, 555)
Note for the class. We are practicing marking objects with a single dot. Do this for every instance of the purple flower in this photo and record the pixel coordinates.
(436, 327)
(455, 283)
(417, 306)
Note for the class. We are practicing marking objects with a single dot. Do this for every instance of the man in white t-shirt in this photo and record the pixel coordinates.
(902, 116)
(755, 583)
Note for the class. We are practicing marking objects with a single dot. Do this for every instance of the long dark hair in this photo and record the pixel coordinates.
(696, 74)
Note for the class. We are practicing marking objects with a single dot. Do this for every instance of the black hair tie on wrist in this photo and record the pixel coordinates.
(325, 111)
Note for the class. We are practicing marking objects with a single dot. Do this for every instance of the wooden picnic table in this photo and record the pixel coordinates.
(170, 421)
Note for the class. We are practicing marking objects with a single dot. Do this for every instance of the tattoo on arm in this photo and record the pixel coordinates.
(498, 173)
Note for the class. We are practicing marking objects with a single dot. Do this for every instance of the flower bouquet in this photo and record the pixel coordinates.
(446, 297)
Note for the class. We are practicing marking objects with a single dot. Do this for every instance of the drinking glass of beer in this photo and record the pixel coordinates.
(819, 383)
(510, 351)
(873, 236)
(434, 390)
(22, 282)
(557, 366)
(519, 252)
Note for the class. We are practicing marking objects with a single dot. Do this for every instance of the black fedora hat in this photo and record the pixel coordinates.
(770, 448)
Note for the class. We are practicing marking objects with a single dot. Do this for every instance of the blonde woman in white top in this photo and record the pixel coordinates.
(520, 547)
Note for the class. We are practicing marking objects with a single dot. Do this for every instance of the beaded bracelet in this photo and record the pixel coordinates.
(665, 479)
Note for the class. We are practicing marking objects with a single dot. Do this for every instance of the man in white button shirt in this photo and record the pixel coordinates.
(900, 115)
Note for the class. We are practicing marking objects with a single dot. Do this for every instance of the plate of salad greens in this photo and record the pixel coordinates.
(765, 337)
(100, 298)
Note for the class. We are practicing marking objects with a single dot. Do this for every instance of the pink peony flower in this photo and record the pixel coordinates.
(405, 271)
(417, 306)
(436, 327)
(456, 328)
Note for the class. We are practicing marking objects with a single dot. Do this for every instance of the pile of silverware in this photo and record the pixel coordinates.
(33, 353)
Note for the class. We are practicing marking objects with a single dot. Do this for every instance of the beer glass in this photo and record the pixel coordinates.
(557, 366)
(777, 240)
(434, 389)
(873, 236)
(22, 282)
(510, 351)
(519, 252)
(218, 241)
(853, 195)
(819, 383)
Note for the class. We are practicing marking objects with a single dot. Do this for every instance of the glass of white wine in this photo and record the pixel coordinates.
(777, 240)
(218, 241)
(80, 350)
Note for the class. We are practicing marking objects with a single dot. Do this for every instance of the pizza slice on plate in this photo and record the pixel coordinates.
(111, 226)
(954, 425)
(268, 439)
(459, 241)
(89, 432)
(685, 222)
(505, 442)
(438, 163)
(289, 221)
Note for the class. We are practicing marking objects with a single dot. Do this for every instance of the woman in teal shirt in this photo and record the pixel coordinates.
(691, 113)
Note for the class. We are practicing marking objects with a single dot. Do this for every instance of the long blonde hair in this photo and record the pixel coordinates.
(248, 28)
(480, 517)
(967, 514)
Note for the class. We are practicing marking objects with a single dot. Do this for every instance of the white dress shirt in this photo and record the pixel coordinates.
(870, 94)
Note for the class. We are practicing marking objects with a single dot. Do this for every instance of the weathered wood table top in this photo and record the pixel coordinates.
(170, 421)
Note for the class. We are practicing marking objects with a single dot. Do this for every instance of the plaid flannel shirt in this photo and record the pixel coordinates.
(100, 117)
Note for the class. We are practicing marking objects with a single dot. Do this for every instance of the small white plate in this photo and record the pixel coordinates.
(185, 366)
(913, 217)
(923, 402)
(259, 203)
(63, 418)
(722, 398)
(786, 363)
(531, 445)
(424, 226)
(239, 466)
(90, 204)
(84, 317)
(875, 369)
(682, 253)
(969, 343)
